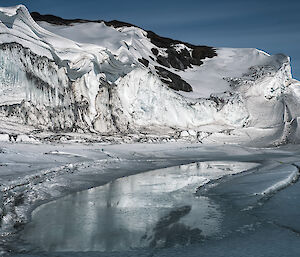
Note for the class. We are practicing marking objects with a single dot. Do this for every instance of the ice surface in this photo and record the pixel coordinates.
(33, 174)
(230, 62)
(124, 214)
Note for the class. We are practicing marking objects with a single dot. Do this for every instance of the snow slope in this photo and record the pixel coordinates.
(97, 76)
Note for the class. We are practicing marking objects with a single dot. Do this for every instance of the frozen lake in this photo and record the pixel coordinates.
(161, 209)
(154, 209)
(223, 201)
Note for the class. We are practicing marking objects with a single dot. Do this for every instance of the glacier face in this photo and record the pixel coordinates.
(90, 76)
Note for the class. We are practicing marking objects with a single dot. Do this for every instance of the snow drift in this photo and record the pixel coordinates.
(113, 77)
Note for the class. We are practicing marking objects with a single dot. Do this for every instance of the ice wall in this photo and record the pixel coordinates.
(32, 78)
(58, 84)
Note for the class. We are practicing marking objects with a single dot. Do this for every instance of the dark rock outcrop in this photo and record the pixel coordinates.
(60, 21)
(144, 61)
(154, 51)
(177, 59)
(173, 80)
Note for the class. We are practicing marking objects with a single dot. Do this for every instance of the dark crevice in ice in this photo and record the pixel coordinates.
(293, 230)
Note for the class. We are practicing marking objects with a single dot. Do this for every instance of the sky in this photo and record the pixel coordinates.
(270, 25)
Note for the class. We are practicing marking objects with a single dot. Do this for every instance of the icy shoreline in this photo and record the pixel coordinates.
(34, 174)
(31, 176)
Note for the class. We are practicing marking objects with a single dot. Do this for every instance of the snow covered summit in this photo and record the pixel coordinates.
(115, 78)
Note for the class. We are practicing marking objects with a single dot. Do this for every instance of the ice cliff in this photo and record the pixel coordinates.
(115, 78)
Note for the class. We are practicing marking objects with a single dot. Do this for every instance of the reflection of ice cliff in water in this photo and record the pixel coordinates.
(156, 208)
(151, 212)
(169, 232)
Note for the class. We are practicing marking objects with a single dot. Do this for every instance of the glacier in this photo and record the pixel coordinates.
(160, 137)
(119, 79)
